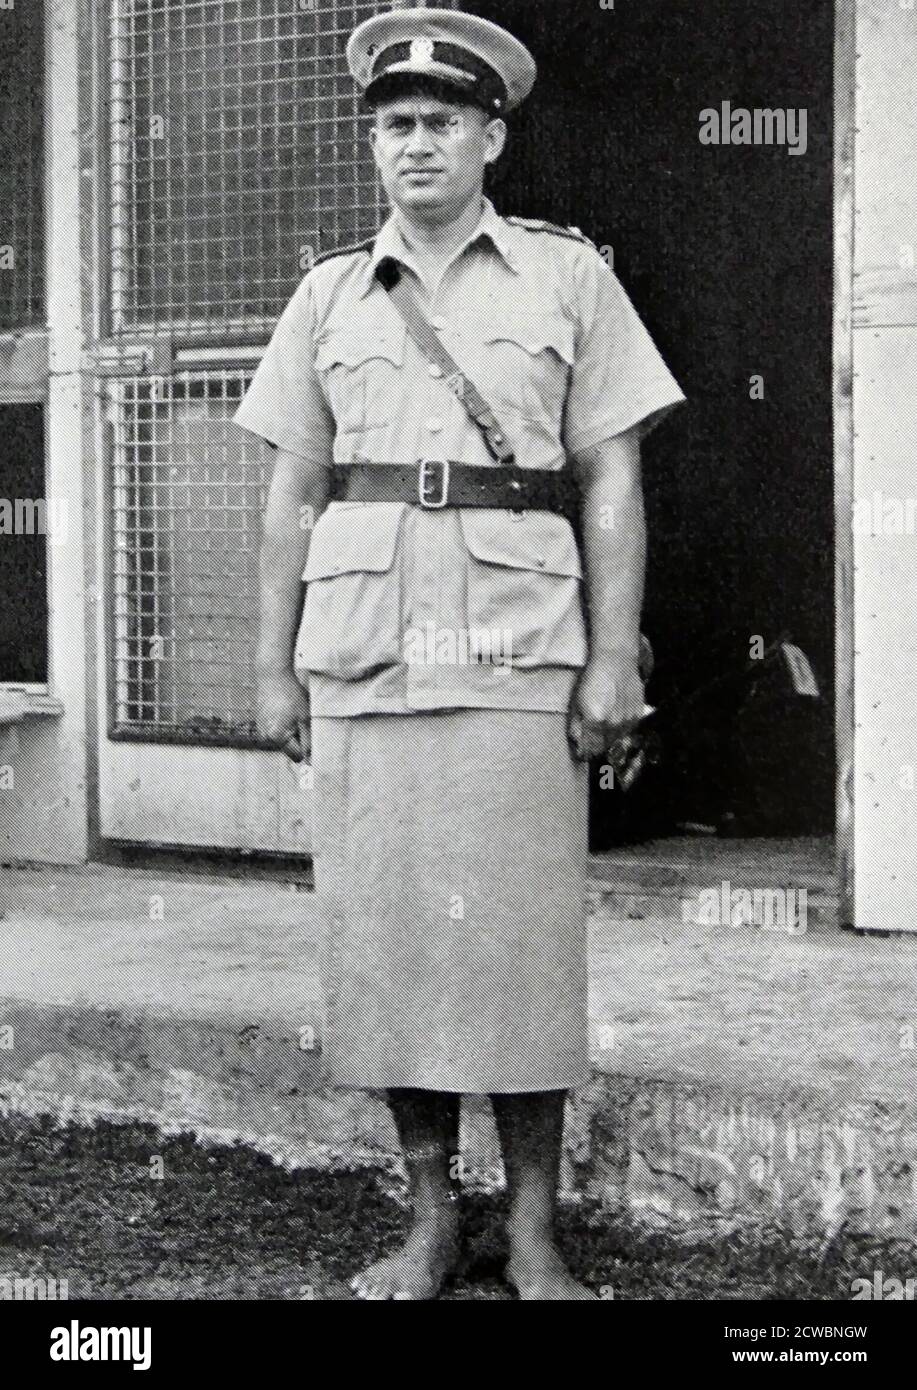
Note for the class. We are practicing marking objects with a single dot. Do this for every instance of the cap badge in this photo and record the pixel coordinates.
(422, 52)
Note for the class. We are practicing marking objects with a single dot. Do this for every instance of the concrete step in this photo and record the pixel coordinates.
(741, 1077)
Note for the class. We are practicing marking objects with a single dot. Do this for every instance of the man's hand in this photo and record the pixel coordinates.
(607, 703)
(283, 714)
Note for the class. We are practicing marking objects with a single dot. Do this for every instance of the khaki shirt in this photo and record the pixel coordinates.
(409, 609)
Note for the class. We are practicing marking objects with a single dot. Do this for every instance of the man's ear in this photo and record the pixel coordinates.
(494, 140)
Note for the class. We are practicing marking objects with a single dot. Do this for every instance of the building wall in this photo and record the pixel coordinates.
(45, 813)
(884, 543)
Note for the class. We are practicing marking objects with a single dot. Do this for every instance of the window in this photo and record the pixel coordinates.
(22, 303)
(27, 524)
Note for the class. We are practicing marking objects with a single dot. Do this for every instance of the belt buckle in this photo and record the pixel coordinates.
(428, 478)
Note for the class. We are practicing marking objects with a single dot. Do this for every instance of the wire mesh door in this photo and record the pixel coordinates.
(238, 148)
(238, 152)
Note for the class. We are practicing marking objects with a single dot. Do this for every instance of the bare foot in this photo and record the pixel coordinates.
(419, 1269)
(539, 1275)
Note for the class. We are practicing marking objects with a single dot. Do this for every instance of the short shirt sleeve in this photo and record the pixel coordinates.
(619, 379)
(285, 403)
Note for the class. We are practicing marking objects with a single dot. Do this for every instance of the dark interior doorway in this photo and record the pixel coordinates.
(727, 252)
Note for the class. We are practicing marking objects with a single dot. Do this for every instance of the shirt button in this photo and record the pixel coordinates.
(434, 370)
(434, 425)
(438, 324)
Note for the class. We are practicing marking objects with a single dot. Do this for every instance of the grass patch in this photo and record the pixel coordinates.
(85, 1203)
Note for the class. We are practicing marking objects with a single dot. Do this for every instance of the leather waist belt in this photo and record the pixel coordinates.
(433, 484)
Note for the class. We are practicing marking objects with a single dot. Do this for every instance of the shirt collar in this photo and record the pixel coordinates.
(390, 242)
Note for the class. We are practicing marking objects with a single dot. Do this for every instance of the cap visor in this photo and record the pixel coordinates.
(403, 75)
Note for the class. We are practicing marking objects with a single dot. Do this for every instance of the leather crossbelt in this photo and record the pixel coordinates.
(434, 483)
(388, 273)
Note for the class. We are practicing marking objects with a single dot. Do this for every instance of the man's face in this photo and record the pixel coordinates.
(431, 155)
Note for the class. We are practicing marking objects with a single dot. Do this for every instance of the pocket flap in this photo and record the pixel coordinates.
(534, 333)
(351, 347)
(539, 541)
(354, 538)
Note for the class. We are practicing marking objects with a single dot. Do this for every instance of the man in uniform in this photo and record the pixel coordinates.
(457, 406)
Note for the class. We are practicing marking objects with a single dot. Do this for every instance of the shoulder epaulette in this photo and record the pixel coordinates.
(534, 224)
(344, 251)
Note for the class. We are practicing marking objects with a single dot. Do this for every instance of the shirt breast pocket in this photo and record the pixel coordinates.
(351, 621)
(525, 584)
(525, 360)
(361, 365)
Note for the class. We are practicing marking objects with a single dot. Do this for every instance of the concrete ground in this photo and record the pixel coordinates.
(741, 1073)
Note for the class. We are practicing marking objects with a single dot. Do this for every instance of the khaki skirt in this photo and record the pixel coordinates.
(450, 858)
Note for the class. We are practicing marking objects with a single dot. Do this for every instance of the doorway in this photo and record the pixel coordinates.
(727, 253)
